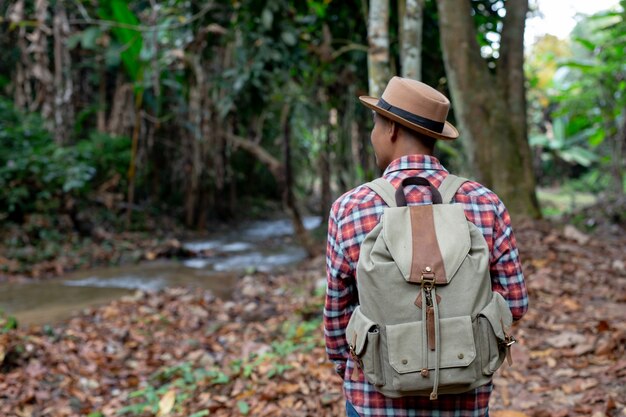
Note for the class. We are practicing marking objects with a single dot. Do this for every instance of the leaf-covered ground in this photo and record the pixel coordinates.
(187, 353)
(570, 360)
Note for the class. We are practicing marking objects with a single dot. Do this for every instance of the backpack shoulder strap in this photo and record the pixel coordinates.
(449, 186)
(385, 190)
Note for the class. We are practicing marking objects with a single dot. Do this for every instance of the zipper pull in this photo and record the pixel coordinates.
(428, 283)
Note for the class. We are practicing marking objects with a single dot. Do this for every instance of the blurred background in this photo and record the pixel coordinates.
(148, 144)
(116, 115)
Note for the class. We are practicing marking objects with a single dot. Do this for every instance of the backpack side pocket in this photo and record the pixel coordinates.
(489, 352)
(363, 337)
(493, 323)
(372, 360)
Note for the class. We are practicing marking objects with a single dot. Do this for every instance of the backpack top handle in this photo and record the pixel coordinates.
(401, 199)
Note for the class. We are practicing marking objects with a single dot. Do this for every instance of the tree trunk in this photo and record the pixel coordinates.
(490, 108)
(231, 182)
(219, 168)
(193, 166)
(324, 162)
(512, 81)
(325, 198)
(122, 115)
(287, 184)
(411, 14)
(324, 165)
(207, 154)
(617, 161)
(44, 100)
(102, 98)
(132, 169)
(359, 157)
(378, 52)
(21, 92)
(219, 160)
(63, 86)
(34, 89)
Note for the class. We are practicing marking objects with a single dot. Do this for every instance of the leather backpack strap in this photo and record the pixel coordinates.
(385, 190)
(449, 186)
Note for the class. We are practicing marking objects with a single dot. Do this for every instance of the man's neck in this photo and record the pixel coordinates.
(410, 146)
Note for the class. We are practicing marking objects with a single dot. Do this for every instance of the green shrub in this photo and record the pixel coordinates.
(109, 155)
(35, 173)
(39, 176)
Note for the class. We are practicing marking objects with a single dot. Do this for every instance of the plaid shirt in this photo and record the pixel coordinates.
(352, 217)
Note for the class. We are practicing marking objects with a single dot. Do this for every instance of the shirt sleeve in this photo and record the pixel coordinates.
(506, 270)
(340, 288)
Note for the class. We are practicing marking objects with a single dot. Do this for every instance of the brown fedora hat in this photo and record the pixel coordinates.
(415, 105)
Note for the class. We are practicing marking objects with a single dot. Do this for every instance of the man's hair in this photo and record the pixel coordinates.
(426, 140)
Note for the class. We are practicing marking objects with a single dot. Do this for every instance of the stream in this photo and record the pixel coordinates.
(219, 261)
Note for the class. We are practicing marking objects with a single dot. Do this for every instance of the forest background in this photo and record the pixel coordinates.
(117, 112)
(128, 125)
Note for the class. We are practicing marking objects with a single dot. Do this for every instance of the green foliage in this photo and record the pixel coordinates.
(566, 200)
(295, 337)
(488, 18)
(109, 155)
(182, 378)
(130, 38)
(39, 176)
(578, 108)
(7, 322)
(35, 173)
(284, 58)
(201, 413)
(243, 407)
(250, 60)
(566, 148)
(88, 39)
(186, 378)
(594, 92)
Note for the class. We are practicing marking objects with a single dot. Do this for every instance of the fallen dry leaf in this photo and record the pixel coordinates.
(605, 346)
(507, 413)
(4, 345)
(167, 403)
(571, 232)
(566, 339)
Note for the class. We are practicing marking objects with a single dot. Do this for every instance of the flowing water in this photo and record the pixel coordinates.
(260, 245)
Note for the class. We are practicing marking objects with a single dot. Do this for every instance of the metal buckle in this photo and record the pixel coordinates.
(355, 358)
(509, 340)
(428, 278)
(428, 282)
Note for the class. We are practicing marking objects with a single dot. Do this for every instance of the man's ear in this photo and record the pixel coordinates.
(393, 130)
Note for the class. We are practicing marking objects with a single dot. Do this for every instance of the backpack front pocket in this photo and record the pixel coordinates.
(409, 355)
(363, 336)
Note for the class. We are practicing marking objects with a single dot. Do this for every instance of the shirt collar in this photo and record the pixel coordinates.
(416, 162)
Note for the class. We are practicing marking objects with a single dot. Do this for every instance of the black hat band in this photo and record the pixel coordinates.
(411, 117)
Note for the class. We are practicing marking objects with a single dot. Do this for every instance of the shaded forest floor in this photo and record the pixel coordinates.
(261, 353)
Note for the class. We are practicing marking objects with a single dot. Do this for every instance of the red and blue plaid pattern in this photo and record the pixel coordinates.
(352, 217)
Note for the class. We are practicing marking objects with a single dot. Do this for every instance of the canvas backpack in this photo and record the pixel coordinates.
(428, 321)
